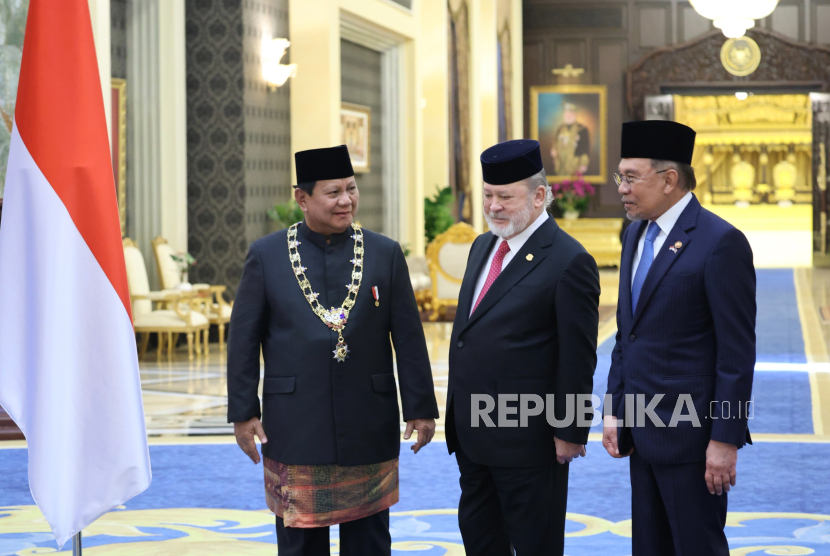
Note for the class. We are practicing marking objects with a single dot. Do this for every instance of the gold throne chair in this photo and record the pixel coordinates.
(785, 175)
(447, 260)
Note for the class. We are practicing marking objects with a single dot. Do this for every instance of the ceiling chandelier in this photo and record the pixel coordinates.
(734, 17)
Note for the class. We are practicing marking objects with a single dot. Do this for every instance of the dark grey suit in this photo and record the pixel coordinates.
(534, 332)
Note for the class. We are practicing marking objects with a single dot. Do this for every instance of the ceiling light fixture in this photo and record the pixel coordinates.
(734, 17)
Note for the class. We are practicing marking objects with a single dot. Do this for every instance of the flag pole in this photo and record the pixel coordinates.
(76, 544)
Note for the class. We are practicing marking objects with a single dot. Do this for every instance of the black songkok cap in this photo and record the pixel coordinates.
(658, 140)
(511, 161)
(332, 163)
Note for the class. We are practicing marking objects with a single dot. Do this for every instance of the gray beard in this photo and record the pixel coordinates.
(518, 222)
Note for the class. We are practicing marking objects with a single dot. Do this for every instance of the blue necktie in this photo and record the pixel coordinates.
(645, 263)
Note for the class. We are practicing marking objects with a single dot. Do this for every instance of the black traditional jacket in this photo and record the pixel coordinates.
(316, 410)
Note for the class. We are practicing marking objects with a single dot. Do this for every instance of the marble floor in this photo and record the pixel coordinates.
(190, 398)
(184, 397)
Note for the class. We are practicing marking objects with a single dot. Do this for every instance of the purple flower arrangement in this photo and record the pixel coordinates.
(572, 195)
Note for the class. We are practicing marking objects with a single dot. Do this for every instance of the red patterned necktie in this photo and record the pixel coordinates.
(495, 270)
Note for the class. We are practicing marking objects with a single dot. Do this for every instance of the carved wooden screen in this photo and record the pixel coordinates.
(821, 158)
(696, 65)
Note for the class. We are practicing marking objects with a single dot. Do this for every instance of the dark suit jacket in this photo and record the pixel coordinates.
(535, 332)
(315, 409)
(693, 333)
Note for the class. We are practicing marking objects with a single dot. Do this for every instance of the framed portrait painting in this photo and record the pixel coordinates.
(355, 130)
(570, 122)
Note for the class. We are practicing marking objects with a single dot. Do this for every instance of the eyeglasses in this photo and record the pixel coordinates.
(628, 180)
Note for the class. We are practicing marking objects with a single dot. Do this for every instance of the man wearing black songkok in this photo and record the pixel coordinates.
(323, 318)
(685, 348)
(526, 328)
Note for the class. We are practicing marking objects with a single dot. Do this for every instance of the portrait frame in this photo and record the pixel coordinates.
(358, 138)
(591, 102)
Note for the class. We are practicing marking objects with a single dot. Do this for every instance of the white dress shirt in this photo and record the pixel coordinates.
(666, 222)
(515, 243)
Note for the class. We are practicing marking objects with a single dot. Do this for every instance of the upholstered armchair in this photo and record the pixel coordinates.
(175, 312)
(219, 310)
(447, 259)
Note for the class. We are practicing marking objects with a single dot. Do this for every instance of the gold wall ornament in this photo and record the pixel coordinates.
(785, 177)
(758, 120)
(568, 71)
(740, 56)
(336, 317)
(743, 179)
(119, 142)
(599, 236)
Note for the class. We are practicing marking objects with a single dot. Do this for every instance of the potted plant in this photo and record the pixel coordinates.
(185, 262)
(438, 215)
(284, 215)
(572, 196)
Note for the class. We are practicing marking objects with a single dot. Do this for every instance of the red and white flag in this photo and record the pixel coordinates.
(68, 364)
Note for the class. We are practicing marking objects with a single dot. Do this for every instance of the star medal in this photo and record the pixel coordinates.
(335, 317)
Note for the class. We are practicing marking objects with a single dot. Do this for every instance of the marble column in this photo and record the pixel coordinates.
(156, 126)
(484, 80)
(99, 13)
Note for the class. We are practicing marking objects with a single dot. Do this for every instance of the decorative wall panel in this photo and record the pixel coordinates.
(653, 25)
(546, 16)
(239, 147)
(568, 52)
(787, 20)
(532, 73)
(360, 83)
(118, 38)
(610, 58)
(215, 141)
(690, 24)
(821, 22)
(267, 118)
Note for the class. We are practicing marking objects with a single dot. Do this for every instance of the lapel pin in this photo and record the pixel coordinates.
(676, 246)
(376, 295)
(529, 257)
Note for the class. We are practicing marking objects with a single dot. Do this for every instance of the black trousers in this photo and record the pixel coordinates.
(519, 506)
(673, 513)
(368, 536)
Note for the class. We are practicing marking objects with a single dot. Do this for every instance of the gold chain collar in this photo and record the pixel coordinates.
(334, 318)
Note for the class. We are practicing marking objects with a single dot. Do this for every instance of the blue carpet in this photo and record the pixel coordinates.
(773, 478)
(778, 327)
(782, 403)
(782, 399)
